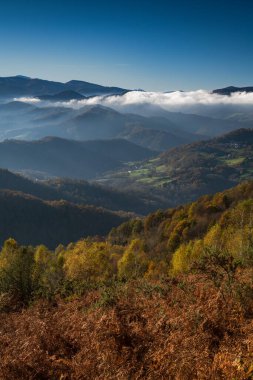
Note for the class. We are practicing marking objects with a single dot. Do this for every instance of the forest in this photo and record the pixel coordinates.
(165, 296)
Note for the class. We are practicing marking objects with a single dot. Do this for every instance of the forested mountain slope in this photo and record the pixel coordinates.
(185, 173)
(57, 157)
(176, 285)
(81, 192)
(31, 220)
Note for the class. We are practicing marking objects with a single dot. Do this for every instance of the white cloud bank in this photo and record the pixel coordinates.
(192, 101)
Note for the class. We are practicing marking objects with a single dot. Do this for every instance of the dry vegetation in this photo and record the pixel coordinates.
(167, 297)
(185, 328)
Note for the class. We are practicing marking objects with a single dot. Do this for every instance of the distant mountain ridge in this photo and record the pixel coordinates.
(231, 89)
(25, 86)
(63, 96)
(90, 122)
(68, 158)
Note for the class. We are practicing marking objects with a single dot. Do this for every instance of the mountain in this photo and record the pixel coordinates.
(231, 89)
(29, 122)
(155, 139)
(81, 192)
(89, 89)
(184, 173)
(31, 220)
(16, 107)
(99, 122)
(18, 117)
(104, 122)
(56, 157)
(185, 223)
(25, 86)
(202, 125)
(63, 96)
(196, 124)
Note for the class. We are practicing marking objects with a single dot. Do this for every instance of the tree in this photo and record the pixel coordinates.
(134, 262)
(16, 268)
(89, 262)
(48, 272)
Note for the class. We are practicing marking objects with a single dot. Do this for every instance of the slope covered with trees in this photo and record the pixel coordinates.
(167, 296)
(184, 173)
(58, 157)
(33, 221)
(81, 192)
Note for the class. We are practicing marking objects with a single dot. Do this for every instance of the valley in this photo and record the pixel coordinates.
(125, 233)
(126, 190)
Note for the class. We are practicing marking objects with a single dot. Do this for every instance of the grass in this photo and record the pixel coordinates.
(150, 174)
(233, 161)
(139, 173)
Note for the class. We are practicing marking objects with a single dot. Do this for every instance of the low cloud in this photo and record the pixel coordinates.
(27, 100)
(199, 101)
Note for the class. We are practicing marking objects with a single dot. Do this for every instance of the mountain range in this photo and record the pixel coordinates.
(137, 160)
(159, 130)
(63, 96)
(27, 122)
(24, 86)
(231, 89)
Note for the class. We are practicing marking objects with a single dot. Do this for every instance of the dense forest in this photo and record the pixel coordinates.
(165, 296)
(31, 220)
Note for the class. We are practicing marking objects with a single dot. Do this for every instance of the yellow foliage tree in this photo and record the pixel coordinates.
(134, 262)
(89, 261)
(185, 256)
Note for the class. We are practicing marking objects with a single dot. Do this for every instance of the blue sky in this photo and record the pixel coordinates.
(155, 45)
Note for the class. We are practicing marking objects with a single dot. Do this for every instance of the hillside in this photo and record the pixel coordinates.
(185, 173)
(68, 158)
(200, 125)
(90, 89)
(175, 226)
(30, 220)
(63, 96)
(231, 89)
(81, 192)
(176, 285)
(24, 86)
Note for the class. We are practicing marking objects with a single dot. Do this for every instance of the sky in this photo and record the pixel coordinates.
(158, 45)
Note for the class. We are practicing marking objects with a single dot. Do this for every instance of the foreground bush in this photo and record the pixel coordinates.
(180, 329)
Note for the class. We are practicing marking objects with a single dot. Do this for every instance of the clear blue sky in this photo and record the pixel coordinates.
(155, 45)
